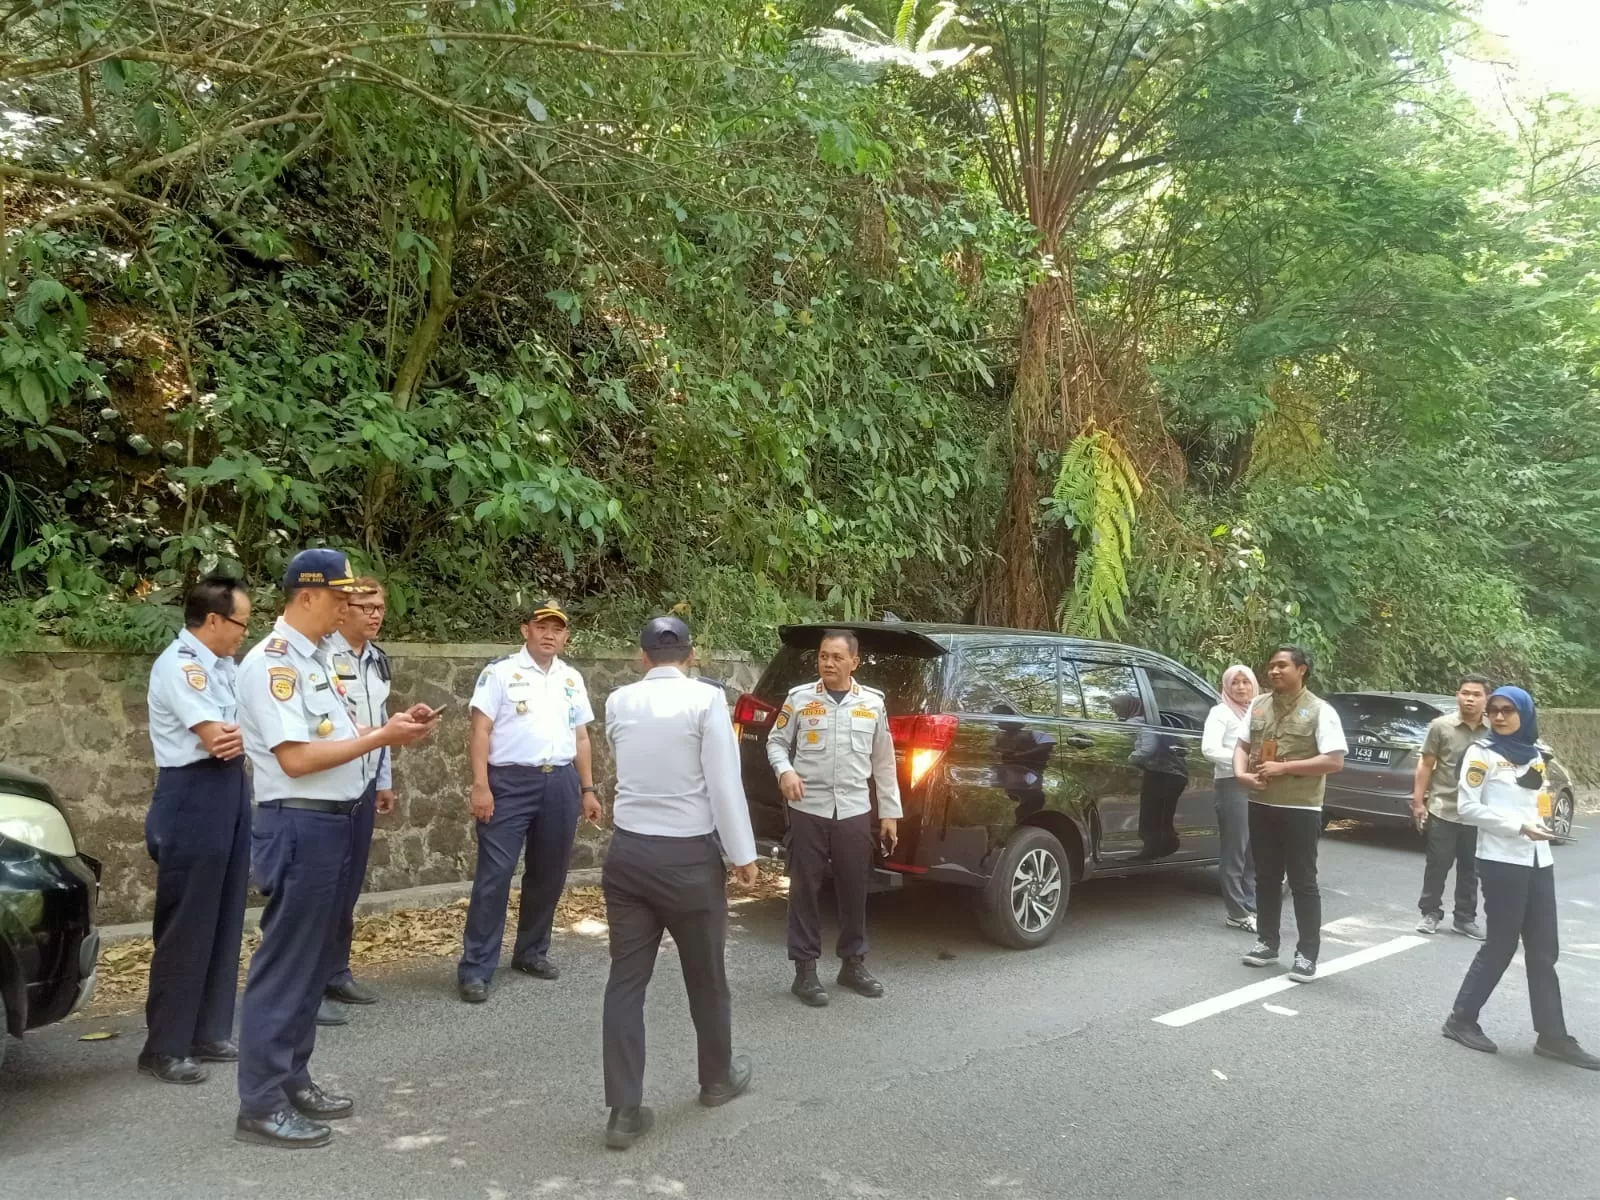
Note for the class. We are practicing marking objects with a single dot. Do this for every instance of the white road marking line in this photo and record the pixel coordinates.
(1281, 1010)
(1282, 983)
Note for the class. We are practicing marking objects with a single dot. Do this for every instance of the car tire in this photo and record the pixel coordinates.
(1561, 817)
(1026, 896)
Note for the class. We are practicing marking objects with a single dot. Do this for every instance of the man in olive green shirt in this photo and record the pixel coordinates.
(1291, 743)
(1433, 806)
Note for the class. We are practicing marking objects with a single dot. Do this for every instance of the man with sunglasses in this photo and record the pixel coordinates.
(363, 668)
(198, 833)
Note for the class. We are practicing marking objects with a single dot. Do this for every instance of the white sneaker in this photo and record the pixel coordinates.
(1429, 924)
(1246, 922)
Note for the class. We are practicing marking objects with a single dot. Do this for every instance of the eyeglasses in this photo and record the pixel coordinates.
(244, 625)
(370, 610)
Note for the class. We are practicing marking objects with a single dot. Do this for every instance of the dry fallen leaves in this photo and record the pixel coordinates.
(392, 937)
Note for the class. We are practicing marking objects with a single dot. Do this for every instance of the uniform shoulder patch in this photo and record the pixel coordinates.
(783, 718)
(194, 676)
(483, 677)
(277, 647)
(281, 682)
(186, 651)
(1477, 771)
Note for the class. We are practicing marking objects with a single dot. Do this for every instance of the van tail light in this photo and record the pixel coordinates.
(754, 712)
(925, 740)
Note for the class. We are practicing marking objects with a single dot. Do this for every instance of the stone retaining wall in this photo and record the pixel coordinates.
(78, 719)
(1574, 734)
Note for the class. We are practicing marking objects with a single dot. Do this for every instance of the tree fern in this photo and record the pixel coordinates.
(1095, 494)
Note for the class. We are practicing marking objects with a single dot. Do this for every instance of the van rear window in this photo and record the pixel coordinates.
(909, 684)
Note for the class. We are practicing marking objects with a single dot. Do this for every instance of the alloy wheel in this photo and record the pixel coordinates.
(1036, 890)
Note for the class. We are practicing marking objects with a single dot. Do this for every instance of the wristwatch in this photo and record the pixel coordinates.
(592, 788)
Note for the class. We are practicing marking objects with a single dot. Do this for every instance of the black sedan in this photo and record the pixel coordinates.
(48, 940)
(1385, 731)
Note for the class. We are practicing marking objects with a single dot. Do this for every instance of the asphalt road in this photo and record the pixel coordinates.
(984, 1072)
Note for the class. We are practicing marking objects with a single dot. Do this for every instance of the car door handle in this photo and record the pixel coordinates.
(1080, 741)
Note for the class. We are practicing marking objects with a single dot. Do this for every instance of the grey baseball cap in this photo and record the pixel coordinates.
(664, 633)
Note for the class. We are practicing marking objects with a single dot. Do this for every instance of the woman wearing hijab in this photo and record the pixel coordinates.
(1223, 726)
(1503, 793)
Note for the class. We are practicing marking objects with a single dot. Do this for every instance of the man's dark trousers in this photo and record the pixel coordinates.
(534, 807)
(355, 878)
(1450, 843)
(1284, 841)
(678, 885)
(300, 860)
(1519, 903)
(198, 833)
(819, 846)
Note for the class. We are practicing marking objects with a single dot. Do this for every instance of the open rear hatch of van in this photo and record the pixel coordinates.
(905, 664)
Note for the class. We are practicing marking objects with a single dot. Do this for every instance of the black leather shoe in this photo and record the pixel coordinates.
(739, 1073)
(538, 966)
(1567, 1050)
(312, 1101)
(169, 1069)
(627, 1126)
(473, 991)
(351, 993)
(329, 1013)
(286, 1129)
(1469, 1033)
(855, 976)
(215, 1052)
(807, 986)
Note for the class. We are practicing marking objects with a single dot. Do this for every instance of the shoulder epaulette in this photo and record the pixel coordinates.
(716, 683)
(186, 651)
(878, 692)
(276, 646)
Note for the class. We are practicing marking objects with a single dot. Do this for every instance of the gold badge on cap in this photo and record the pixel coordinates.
(325, 727)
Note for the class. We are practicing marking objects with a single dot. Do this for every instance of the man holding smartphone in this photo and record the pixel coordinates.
(1433, 807)
(830, 743)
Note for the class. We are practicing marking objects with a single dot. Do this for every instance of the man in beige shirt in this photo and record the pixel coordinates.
(1433, 806)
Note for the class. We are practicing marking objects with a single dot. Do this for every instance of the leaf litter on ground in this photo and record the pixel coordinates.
(392, 937)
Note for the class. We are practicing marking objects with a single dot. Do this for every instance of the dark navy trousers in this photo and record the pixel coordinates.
(539, 810)
(365, 815)
(300, 860)
(198, 833)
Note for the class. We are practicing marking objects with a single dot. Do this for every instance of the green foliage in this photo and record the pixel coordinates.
(720, 309)
(1096, 490)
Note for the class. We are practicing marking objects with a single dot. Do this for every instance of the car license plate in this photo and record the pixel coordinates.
(1378, 756)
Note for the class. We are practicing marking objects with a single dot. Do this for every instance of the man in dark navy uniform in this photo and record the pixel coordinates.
(198, 833)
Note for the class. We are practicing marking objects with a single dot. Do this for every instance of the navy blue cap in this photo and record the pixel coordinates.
(664, 633)
(320, 568)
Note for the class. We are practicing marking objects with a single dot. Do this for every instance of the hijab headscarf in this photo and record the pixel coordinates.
(1228, 676)
(1520, 747)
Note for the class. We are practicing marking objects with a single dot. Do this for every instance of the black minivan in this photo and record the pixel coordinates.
(48, 890)
(1028, 761)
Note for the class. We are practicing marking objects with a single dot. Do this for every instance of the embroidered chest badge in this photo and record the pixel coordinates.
(325, 727)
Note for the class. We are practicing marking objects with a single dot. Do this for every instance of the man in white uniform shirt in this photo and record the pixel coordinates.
(531, 776)
(677, 785)
(311, 767)
(198, 833)
(363, 668)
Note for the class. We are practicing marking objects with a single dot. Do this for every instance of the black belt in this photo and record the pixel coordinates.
(542, 768)
(340, 807)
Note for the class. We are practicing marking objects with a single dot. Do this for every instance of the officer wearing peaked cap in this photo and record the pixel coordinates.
(311, 768)
(198, 833)
(678, 790)
(531, 778)
(831, 740)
